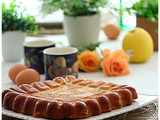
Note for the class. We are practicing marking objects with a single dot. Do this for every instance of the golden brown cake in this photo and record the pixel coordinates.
(67, 98)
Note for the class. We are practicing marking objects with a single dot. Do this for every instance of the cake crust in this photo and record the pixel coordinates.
(67, 98)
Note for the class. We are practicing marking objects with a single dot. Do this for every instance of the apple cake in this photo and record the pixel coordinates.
(68, 97)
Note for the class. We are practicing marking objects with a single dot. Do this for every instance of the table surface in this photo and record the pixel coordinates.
(143, 76)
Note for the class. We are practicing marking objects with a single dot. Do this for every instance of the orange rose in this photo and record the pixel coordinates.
(121, 53)
(116, 64)
(106, 53)
(89, 61)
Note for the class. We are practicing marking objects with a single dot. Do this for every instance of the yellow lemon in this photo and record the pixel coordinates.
(138, 44)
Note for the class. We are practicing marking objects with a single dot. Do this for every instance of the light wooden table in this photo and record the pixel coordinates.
(143, 76)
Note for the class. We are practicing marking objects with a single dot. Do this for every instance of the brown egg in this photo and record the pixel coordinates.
(14, 70)
(27, 76)
(111, 30)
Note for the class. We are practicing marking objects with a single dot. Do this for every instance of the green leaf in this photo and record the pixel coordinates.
(90, 47)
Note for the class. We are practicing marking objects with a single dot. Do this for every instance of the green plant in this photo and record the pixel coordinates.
(73, 7)
(146, 8)
(13, 20)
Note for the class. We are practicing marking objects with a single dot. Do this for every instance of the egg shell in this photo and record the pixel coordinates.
(111, 30)
(14, 70)
(27, 76)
